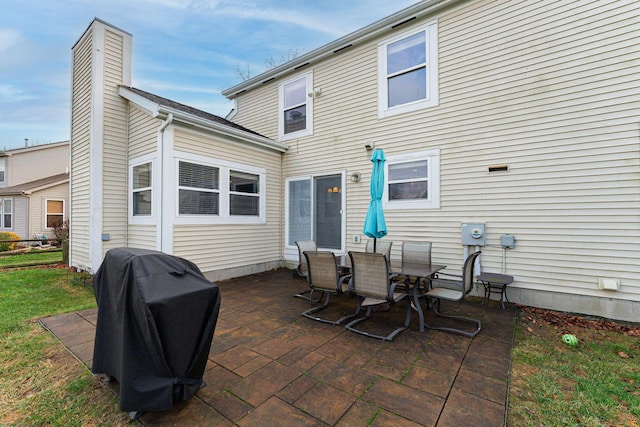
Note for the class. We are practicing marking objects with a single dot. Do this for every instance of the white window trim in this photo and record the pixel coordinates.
(144, 219)
(433, 171)
(3, 168)
(46, 211)
(2, 212)
(224, 167)
(293, 249)
(432, 99)
(309, 90)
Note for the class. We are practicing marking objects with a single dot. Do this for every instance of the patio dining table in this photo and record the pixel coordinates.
(413, 270)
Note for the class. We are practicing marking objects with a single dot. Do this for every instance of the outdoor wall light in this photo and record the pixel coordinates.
(355, 177)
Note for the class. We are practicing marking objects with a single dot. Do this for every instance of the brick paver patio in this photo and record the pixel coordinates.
(269, 366)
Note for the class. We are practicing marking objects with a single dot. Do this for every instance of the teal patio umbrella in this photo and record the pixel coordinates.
(375, 226)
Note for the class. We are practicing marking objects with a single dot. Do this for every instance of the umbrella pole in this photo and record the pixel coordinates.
(375, 240)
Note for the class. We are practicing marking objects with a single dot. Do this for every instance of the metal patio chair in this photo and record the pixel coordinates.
(371, 283)
(416, 253)
(302, 270)
(323, 276)
(382, 247)
(451, 287)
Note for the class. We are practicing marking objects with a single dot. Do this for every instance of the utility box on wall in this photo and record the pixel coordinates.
(473, 234)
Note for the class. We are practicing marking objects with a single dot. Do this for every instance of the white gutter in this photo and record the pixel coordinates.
(358, 37)
(160, 192)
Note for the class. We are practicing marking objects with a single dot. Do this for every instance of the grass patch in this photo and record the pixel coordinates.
(31, 258)
(42, 384)
(596, 383)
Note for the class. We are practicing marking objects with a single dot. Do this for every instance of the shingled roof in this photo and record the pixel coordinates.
(189, 110)
(28, 187)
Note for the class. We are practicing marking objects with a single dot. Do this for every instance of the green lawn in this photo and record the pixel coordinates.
(30, 258)
(42, 384)
(596, 383)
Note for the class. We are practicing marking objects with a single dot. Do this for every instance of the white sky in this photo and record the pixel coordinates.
(184, 50)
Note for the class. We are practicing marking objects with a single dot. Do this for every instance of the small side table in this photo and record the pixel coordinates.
(495, 283)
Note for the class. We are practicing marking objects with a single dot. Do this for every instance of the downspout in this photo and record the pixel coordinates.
(160, 232)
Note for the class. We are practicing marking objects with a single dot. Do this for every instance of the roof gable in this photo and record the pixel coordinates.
(38, 184)
(161, 107)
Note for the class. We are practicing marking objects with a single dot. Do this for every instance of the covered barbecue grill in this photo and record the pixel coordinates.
(156, 318)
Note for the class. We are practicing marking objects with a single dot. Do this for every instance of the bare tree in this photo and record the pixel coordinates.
(245, 72)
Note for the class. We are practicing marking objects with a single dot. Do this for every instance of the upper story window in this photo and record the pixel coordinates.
(408, 71)
(296, 107)
(212, 191)
(413, 180)
(54, 213)
(3, 170)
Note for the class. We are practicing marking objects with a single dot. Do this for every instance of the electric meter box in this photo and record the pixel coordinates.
(473, 234)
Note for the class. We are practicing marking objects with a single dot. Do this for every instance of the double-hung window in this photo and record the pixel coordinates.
(7, 213)
(413, 180)
(296, 107)
(213, 191)
(54, 213)
(142, 181)
(198, 189)
(3, 167)
(244, 193)
(141, 191)
(408, 71)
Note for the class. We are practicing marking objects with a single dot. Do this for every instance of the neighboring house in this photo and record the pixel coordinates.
(34, 189)
(521, 117)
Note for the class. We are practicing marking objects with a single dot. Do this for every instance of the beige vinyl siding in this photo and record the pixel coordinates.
(142, 236)
(257, 111)
(548, 88)
(37, 162)
(37, 219)
(115, 190)
(227, 246)
(143, 136)
(143, 133)
(80, 150)
(20, 216)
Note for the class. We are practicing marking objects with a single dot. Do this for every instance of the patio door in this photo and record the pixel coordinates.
(314, 211)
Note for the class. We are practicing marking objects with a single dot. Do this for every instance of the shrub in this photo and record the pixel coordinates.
(61, 230)
(8, 246)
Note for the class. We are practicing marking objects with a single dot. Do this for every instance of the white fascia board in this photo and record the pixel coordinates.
(385, 25)
(141, 102)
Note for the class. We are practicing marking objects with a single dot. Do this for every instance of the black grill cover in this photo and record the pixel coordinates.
(156, 318)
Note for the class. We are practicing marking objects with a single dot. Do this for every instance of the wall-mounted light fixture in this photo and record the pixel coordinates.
(355, 177)
(316, 93)
(369, 146)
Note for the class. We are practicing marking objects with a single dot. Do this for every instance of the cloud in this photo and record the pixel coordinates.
(8, 39)
(251, 11)
(10, 93)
